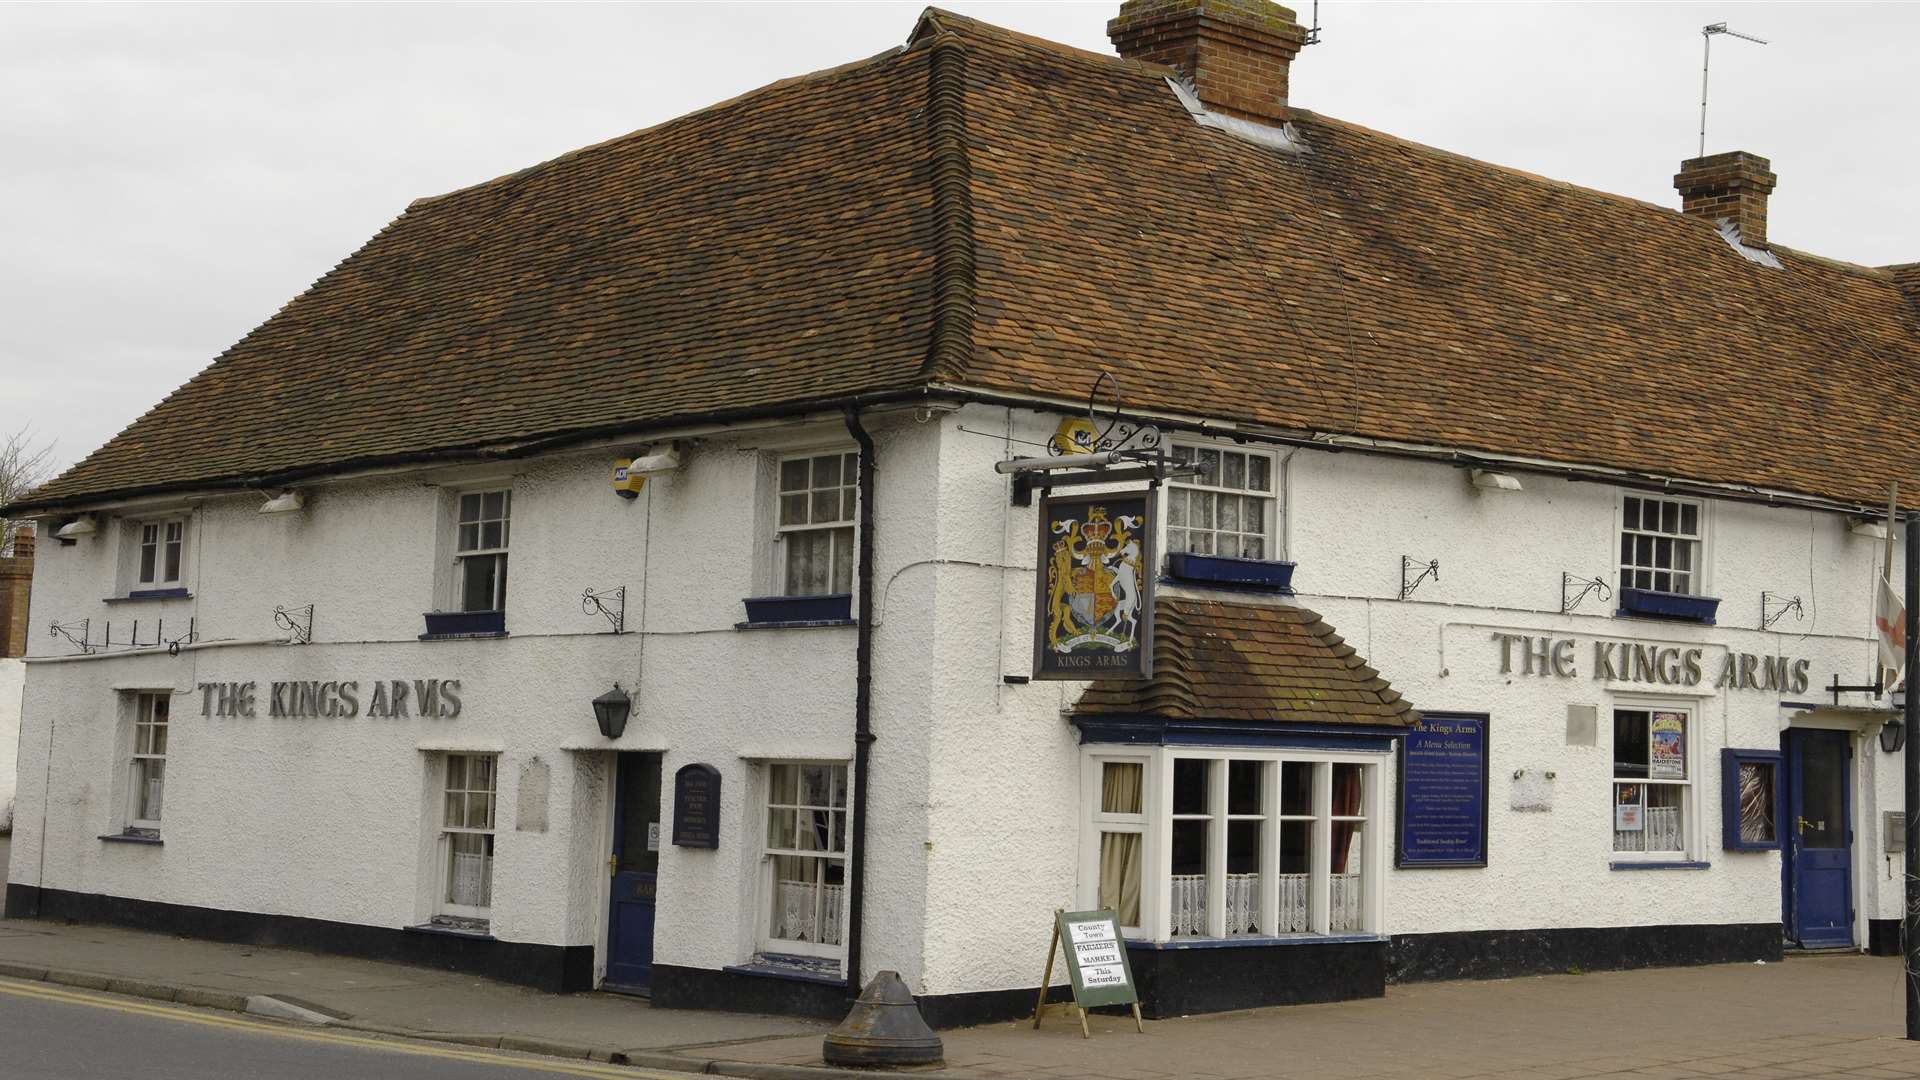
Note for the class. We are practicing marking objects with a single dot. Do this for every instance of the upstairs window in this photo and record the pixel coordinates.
(819, 500)
(1660, 543)
(480, 549)
(161, 553)
(1229, 509)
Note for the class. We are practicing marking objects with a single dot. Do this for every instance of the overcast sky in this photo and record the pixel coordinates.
(170, 175)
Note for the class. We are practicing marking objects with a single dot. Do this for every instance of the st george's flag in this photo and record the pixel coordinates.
(1890, 630)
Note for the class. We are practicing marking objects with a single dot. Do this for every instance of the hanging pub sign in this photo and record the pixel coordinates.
(1094, 611)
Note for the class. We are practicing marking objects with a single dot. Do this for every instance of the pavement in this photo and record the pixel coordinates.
(1817, 1016)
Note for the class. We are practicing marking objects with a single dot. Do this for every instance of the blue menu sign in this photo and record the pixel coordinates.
(1443, 792)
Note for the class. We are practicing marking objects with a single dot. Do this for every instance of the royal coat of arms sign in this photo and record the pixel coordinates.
(1094, 613)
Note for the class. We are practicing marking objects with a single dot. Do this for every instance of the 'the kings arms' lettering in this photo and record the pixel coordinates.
(1653, 664)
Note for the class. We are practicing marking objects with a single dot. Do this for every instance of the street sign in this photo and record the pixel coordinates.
(1097, 965)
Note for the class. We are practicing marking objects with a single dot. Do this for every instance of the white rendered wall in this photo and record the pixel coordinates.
(975, 793)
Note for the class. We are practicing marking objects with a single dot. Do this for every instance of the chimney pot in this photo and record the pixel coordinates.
(1234, 53)
(1729, 187)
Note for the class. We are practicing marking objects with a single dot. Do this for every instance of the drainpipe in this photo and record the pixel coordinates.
(862, 701)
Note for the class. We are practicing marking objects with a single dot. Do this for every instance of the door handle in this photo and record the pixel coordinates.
(613, 865)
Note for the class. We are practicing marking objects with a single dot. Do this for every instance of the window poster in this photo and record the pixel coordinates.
(1626, 808)
(1667, 755)
(1094, 611)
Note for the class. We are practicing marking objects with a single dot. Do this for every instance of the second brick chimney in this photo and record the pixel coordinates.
(1729, 187)
(1235, 53)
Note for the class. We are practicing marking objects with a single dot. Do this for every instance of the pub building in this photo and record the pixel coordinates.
(989, 478)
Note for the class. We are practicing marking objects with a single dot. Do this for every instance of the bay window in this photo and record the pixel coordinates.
(1195, 843)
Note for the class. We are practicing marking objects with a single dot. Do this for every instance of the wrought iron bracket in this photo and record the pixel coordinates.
(1156, 473)
(297, 622)
(610, 604)
(1428, 569)
(1570, 599)
(1773, 607)
(1836, 689)
(74, 633)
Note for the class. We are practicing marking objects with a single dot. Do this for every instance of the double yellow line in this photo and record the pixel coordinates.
(47, 992)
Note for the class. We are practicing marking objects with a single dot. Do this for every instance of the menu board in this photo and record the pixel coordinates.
(1096, 958)
(1443, 793)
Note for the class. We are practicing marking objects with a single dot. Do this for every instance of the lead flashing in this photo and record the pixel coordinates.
(1284, 137)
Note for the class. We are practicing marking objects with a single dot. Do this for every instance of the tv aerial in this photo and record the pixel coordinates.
(1707, 33)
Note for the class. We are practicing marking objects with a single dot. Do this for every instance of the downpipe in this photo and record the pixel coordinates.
(862, 702)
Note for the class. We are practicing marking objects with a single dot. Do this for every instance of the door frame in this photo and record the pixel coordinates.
(608, 761)
(1858, 804)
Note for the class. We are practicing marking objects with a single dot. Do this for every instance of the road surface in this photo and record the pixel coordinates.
(50, 1032)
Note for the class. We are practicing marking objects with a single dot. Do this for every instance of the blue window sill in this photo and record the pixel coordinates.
(1658, 866)
(825, 608)
(149, 594)
(464, 624)
(794, 624)
(1258, 942)
(448, 931)
(478, 635)
(1674, 607)
(807, 969)
(132, 838)
(1229, 572)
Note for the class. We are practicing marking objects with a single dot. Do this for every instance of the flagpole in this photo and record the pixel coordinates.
(1886, 574)
(1910, 919)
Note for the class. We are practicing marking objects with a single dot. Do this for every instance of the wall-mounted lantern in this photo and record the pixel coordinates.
(1893, 736)
(610, 711)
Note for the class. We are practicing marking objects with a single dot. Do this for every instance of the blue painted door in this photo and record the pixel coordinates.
(1819, 850)
(636, 872)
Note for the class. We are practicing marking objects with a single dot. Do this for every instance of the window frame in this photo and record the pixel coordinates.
(444, 834)
(1270, 534)
(1690, 845)
(1700, 539)
(1156, 877)
(144, 705)
(778, 541)
(160, 544)
(500, 554)
(764, 941)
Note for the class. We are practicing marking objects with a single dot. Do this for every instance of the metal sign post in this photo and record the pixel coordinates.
(1910, 916)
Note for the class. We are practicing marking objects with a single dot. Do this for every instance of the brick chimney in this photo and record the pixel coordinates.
(16, 582)
(1729, 187)
(1234, 53)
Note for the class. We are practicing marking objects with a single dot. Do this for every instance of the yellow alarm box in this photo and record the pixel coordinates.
(626, 482)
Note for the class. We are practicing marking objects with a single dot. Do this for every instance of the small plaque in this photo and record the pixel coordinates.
(696, 806)
(1894, 839)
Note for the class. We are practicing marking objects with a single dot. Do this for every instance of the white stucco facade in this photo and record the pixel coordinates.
(977, 801)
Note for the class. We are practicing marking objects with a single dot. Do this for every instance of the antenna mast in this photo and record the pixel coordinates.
(1706, 56)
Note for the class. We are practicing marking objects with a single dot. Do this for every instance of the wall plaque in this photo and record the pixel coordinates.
(1443, 793)
(1094, 613)
(696, 806)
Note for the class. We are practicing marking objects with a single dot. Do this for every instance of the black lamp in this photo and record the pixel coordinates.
(610, 711)
(1893, 736)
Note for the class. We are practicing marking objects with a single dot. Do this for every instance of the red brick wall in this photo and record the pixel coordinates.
(16, 581)
(1733, 185)
(1236, 53)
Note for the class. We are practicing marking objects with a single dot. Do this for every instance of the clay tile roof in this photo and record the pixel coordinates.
(1214, 660)
(984, 210)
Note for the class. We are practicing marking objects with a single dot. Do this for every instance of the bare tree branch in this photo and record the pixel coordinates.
(25, 464)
